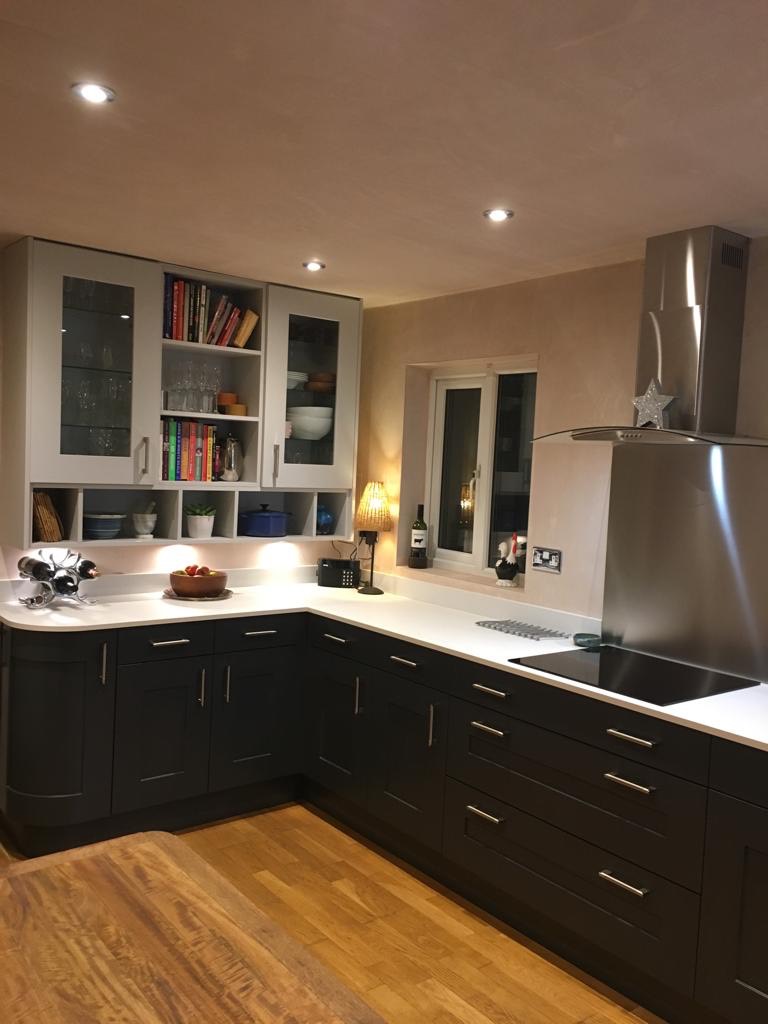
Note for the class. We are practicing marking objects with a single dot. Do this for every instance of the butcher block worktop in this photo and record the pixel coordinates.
(142, 929)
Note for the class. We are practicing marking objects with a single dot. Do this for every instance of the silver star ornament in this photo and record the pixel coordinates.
(651, 407)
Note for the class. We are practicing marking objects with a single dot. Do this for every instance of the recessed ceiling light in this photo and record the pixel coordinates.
(91, 92)
(313, 266)
(498, 214)
(125, 316)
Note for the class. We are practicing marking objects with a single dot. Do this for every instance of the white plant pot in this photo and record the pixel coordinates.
(200, 526)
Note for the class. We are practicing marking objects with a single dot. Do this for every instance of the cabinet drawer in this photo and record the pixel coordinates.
(259, 631)
(740, 771)
(157, 643)
(651, 741)
(636, 915)
(339, 638)
(421, 664)
(644, 815)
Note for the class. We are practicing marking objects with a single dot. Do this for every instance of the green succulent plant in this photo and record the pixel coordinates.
(199, 510)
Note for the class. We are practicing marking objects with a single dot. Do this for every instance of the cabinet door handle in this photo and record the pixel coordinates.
(336, 639)
(431, 725)
(628, 738)
(227, 682)
(489, 689)
(636, 786)
(201, 695)
(356, 709)
(145, 467)
(170, 643)
(488, 728)
(608, 877)
(484, 815)
(275, 462)
(261, 632)
(403, 661)
(103, 673)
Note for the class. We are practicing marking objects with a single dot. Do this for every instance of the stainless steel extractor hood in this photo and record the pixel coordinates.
(690, 339)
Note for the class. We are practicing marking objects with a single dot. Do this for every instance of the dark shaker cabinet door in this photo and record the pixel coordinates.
(335, 711)
(162, 727)
(256, 724)
(408, 751)
(61, 705)
(732, 974)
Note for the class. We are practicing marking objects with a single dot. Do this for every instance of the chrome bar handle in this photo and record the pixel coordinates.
(484, 815)
(336, 639)
(636, 786)
(488, 689)
(145, 445)
(608, 877)
(403, 661)
(356, 709)
(275, 461)
(170, 643)
(431, 726)
(227, 684)
(261, 632)
(103, 673)
(628, 738)
(201, 696)
(489, 729)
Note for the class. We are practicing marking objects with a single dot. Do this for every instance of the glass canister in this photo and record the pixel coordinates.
(233, 459)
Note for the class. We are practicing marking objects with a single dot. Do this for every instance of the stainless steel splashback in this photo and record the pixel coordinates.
(691, 325)
(686, 566)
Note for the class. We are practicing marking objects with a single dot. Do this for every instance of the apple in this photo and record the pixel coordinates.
(191, 570)
(203, 571)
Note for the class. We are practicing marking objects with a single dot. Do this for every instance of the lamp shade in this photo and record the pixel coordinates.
(373, 511)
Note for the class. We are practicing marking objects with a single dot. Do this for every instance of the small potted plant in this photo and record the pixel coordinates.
(200, 520)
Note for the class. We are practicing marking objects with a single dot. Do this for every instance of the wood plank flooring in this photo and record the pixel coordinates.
(411, 951)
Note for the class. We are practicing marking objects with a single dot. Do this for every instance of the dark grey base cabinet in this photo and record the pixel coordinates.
(58, 713)
(733, 956)
(162, 728)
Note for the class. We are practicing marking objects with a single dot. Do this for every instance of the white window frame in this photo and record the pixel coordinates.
(445, 379)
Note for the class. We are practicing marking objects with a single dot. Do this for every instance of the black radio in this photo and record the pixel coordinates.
(338, 572)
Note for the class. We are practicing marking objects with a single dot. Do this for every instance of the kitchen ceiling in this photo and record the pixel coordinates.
(251, 135)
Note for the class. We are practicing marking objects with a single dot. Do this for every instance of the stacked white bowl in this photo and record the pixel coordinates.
(296, 379)
(310, 423)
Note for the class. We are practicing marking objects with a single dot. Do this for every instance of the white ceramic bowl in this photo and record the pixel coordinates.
(311, 430)
(310, 412)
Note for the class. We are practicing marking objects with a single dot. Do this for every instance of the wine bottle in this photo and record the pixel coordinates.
(87, 569)
(35, 568)
(418, 555)
(64, 584)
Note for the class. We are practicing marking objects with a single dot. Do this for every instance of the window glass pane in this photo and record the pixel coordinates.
(462, 421)
(97, 368)
(513, 452)
(313, 356)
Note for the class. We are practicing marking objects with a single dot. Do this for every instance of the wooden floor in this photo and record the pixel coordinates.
(412, 952)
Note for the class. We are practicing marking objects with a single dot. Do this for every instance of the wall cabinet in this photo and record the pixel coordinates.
(311, 384)
(732, 976)
(59, 701)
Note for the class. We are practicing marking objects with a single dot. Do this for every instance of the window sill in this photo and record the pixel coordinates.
(480, 582)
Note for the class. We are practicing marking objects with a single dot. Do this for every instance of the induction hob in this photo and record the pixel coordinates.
(642, 676)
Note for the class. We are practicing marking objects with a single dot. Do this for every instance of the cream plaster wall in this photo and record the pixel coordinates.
(583, 329)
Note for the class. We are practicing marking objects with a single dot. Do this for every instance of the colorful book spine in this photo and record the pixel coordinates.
(172, 449)
(202, 314)
(199, 451)
(210, 441)
(167, 305)
(184, 450)
(185, 316)
(229, 327)
(221, 305)
(178, 451)
(246, 328)
(175, 325)
(164, 450)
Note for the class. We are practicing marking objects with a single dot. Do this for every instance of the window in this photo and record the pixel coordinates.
(480, 465)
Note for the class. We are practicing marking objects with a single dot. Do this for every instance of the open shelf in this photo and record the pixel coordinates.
(196, 348)
(179, 414)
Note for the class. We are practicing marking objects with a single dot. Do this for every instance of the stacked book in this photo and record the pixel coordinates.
(192, 311)
(188, 450)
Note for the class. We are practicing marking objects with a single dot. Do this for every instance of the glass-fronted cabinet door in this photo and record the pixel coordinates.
(95, 367)
(310, 422)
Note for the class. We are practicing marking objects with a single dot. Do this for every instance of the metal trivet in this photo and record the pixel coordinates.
(524, 629)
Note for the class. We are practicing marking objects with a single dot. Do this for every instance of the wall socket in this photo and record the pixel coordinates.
(547, 559)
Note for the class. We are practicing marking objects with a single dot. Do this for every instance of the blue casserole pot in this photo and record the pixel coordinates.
(263, 522)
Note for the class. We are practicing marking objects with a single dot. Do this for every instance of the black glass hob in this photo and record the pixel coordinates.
(654, 680)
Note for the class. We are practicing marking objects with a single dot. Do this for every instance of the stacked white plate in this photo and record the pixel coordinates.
(296, 379)
(310, 423)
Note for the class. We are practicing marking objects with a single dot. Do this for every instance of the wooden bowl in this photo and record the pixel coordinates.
(198, 586)
(226, 398)
(322, 378)
(319, 385)
(236, 409)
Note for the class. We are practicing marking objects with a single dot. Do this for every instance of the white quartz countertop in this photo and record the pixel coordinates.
(741, 716)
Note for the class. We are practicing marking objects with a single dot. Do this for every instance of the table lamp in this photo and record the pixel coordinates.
(373, 516)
